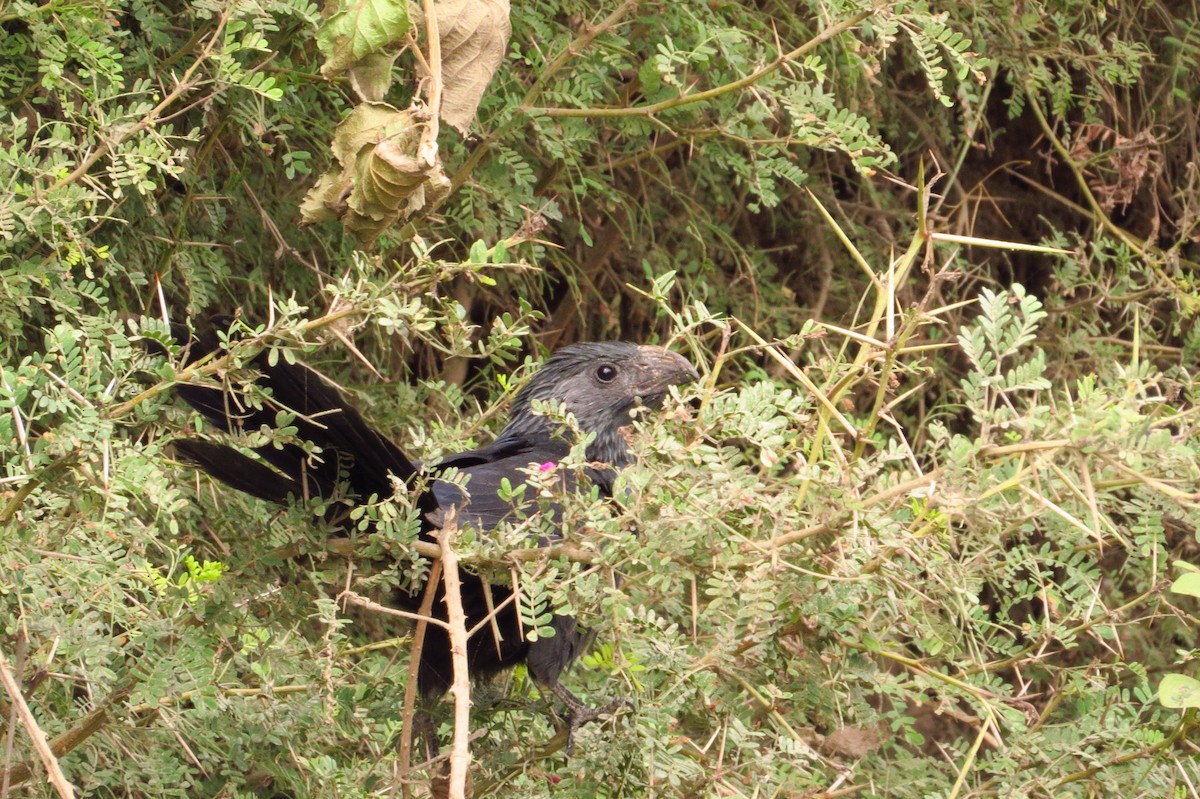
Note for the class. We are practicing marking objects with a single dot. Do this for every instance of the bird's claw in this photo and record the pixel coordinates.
(592, 714)
(579, 714)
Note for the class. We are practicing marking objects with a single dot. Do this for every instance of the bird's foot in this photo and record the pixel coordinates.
(579, 713)
(425, 726)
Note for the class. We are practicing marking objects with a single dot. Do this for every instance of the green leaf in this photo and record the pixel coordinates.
(478, 253)
(1188, 584)
(650, 77)
(360, 28)
(1178, 691)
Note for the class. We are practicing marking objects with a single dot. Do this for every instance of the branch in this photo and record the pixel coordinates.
(182, 86)
(574, 48)
(57, 778)
(699, 97)
(1180, 733)
(460, 755)
(187, 696)
(362, 602)
(410, 686)
(72, 738)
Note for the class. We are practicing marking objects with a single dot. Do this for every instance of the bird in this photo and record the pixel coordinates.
(598, 385)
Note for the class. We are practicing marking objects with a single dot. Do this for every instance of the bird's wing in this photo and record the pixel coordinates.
(480, 503)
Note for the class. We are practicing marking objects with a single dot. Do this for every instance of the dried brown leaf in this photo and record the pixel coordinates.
(851, 742)
(474, 37)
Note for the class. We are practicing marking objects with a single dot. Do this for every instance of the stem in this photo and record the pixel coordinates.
(427, 151)
(410, 687)
(709, 94)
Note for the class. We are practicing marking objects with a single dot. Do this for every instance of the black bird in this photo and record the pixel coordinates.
(599, 383)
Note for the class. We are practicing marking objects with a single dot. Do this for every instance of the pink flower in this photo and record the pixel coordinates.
(547, 466)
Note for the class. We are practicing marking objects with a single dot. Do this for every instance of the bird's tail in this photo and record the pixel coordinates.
(331, 449)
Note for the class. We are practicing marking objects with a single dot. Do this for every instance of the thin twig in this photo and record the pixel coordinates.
(895, 491)
(467, 168)
(709, 94)
(215, 364)
(1070, 634)
(1181, 731)
(575, 48)
(1151, 255)
(809, 386)
(347, 547)
(410, 687)
(182, 86)
(57, 778)
(362, 602)
(185, 697)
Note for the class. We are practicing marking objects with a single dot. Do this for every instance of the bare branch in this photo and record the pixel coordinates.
(460, 756)
(57, 778)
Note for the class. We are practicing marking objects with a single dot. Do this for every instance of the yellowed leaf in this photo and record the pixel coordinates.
(372, 76)
(376, 179)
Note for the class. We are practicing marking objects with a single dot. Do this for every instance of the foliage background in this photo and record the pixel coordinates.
(920, 546)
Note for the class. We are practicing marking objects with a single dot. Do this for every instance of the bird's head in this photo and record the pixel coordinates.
(600, 383)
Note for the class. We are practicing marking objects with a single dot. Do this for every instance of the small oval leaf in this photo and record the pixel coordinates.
(1187, 584)
(1178, 691)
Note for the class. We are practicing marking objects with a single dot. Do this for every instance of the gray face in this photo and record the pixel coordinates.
(600, 383)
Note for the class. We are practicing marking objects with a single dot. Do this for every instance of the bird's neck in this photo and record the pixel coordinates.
(609, 445)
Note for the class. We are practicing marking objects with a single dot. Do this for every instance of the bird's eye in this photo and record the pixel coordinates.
(606, 373)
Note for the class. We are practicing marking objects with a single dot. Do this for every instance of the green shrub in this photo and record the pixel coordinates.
(913, 533)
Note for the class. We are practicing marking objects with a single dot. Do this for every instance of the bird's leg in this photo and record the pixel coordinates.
(426, 727)
(579, 713)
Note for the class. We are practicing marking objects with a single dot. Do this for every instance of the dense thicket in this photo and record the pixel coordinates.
(927, 527)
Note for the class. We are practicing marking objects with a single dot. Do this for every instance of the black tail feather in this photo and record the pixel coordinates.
(236, 470)
(351, 454)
